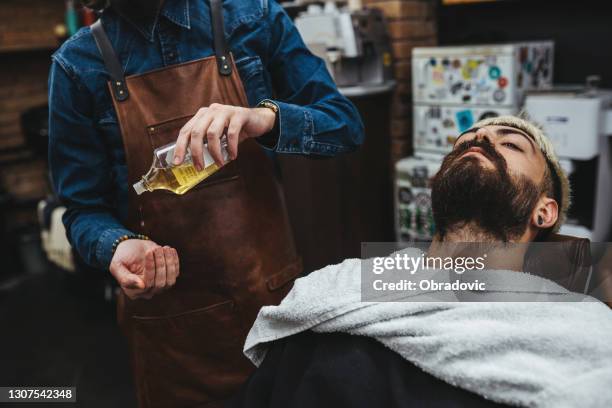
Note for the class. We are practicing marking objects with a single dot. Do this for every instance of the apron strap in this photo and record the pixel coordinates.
(113, 66)
(221, 48)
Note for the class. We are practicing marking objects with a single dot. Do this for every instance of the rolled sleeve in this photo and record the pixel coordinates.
(295, 128)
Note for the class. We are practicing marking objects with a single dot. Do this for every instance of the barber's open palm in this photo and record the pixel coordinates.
(212, 122)
(143, 268)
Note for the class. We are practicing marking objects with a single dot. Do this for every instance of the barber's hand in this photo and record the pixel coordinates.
(143, 268)
(210, 124)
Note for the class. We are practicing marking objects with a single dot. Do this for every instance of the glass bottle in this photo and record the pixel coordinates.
(164, 175)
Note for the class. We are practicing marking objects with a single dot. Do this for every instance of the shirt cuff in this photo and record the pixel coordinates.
(294, 128)
(104, 247)
(296, 133)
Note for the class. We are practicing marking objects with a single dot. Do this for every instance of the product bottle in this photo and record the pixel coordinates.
(163, 175)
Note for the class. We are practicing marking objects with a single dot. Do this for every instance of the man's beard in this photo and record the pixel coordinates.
(465, 193)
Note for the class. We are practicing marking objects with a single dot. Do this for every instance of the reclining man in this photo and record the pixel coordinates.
(323, 346)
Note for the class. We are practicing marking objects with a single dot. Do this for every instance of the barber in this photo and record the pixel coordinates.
(194, 269)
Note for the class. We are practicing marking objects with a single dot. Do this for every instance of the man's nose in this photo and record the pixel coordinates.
(484, 134)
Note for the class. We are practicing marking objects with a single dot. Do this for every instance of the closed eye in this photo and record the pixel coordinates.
(512, 146)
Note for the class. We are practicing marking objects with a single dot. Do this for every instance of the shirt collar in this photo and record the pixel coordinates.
(176, 11)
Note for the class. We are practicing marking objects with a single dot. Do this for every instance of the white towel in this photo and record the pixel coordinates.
(533, 354)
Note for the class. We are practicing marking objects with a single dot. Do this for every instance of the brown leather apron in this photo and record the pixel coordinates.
(231, 232)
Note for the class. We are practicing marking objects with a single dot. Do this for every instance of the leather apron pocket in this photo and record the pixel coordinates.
(270, 290)
(281, 280)
(194, 356)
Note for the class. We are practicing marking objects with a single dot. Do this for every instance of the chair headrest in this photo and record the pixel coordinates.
(563, 259)
(565, 238)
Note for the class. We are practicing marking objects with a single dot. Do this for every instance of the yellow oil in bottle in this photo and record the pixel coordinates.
(178, 180)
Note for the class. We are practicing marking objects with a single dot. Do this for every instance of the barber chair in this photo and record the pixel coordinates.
(563, 259)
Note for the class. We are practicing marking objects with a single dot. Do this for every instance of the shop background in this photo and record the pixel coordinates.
(581, 30)
(59, 328)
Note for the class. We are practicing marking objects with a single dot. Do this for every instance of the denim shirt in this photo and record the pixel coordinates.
(86, 155)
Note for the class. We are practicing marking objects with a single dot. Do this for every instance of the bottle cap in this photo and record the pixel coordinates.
(139, 187)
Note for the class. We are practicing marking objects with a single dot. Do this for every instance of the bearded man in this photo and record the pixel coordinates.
(522, 340)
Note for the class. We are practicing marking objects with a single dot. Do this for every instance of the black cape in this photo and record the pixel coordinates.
(340, 370)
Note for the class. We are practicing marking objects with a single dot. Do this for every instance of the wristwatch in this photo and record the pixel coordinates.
(270, 139)
(268, 104)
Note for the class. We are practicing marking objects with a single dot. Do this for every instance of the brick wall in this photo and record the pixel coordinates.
(411, 23)
(23, 85)
(28, 24)
(27, 39)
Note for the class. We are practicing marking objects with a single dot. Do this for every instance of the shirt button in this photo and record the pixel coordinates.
(171, 54)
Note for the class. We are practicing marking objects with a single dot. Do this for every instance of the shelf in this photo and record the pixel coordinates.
(29, 25)
(17, 48)
(15, 156)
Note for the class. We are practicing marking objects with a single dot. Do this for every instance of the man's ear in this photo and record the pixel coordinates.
(545, 213)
